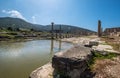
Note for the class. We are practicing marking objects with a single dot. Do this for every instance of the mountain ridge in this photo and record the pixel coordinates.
(6, 22)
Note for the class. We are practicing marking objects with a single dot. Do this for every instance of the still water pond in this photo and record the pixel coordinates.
(18, 60)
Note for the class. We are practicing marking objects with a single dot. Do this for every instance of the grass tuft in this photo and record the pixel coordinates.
(100, 55)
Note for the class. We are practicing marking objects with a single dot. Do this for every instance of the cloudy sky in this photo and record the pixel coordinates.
(82, 13)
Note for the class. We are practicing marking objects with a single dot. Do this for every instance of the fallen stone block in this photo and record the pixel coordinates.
(94, 43)
(45, 71)
(71, 63)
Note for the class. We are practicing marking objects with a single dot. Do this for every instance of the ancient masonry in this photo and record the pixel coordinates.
(99, 29)
(72, 62)
(112, 31)
(52, 34)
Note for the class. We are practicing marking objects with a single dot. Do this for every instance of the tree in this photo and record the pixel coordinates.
(32, 29)
(17, 29)
(10, 28)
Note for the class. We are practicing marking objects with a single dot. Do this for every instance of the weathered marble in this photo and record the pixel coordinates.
(45, 71)
(72, 62)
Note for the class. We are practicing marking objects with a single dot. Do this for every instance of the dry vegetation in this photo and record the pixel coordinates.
(108, 68)
(113, 41)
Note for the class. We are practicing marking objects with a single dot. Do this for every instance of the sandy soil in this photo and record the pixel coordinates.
(107, 68)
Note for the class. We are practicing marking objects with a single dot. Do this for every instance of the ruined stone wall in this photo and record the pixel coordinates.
(112, 31)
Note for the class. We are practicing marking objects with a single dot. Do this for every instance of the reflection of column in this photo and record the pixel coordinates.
(56, 34)
(60, 45)
(51, 49)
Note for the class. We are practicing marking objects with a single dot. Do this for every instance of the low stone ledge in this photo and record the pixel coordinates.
(45, 71)
(72, 62)
(92, 43)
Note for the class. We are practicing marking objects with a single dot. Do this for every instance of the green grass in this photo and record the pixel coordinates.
(7, 36)
(98, 55)
(115, 46)
(103, 43)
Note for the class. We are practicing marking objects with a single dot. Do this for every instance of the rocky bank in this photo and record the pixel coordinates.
(73, 62)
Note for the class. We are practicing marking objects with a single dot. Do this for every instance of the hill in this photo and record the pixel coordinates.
(68, 28)
(19, 23)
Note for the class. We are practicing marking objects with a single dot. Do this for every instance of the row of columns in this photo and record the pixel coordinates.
(58, 33)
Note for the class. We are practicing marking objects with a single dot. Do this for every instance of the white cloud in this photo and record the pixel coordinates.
(33, 19)
(14, 13)
(4, 11)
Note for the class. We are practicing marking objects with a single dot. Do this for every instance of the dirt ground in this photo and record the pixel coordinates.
(113, 41)
(107, 68)
(104, 68)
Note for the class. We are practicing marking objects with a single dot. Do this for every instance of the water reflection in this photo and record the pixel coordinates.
(18, 60)
(60, 43)
(52, 47)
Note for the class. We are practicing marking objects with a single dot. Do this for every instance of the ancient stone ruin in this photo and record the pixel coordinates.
(112, 31)
(71, 63)
(99, 29)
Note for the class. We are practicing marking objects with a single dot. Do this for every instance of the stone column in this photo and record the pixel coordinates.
(60, 32)
(99, 28)
(52, 33)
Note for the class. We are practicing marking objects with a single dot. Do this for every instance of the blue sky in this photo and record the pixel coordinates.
(82, 13)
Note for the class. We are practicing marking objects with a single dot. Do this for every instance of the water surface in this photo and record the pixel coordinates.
(18, 60)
